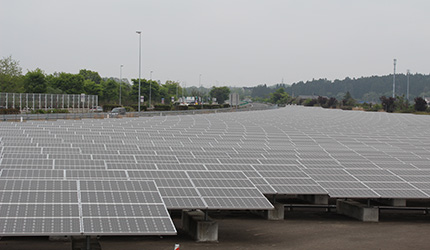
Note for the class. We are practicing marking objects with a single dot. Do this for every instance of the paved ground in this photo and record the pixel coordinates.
(300, 230)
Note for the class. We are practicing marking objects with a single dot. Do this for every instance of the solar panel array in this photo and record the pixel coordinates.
(213, 161)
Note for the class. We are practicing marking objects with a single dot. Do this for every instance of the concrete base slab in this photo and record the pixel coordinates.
(357, 210)
(275, 214)
(315, 199)
(194, 223)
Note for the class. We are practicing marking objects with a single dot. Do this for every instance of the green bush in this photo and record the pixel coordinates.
(130, 109)
(181, 107)
(38, 111)
(162, 107)
(59, 111)
(42, 111)
(9, 111)
(136, 107)
(309, 102)
(193, 106)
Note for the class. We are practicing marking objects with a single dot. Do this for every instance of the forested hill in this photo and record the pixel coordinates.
(364, 89)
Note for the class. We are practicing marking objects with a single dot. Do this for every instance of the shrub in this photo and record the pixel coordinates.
(130, 109)
(309, 102)
(181, 107)
(59, 111)
(420, 104)
(9, 111)
(162, 107)
(38, 111)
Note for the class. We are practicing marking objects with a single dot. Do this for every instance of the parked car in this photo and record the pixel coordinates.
(96, 109)
(118, 111)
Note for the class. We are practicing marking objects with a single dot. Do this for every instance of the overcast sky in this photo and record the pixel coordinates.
(228, 42)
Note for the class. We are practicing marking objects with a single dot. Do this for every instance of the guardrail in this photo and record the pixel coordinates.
(78, 116)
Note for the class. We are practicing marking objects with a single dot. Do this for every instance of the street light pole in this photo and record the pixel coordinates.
(120, 83)
(394, 79)
(201, 87)
(407, 91)
(140, 43)
(150, 88)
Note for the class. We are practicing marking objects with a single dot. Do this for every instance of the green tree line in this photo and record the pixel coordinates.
(12, 80)
(367, 89)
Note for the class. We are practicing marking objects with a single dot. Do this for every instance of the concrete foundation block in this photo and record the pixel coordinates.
(395, 202)
(315, 199)
(357, 210)
(277, 213)
(194, 223)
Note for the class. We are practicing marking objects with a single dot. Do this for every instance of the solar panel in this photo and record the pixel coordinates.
(217, 160)
(47, 207)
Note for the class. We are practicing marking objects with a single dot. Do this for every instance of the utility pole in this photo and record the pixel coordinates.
(394, 79)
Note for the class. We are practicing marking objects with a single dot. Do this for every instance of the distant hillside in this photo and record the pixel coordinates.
(364, 89)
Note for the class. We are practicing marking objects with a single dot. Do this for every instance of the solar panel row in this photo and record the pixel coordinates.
(216, 161)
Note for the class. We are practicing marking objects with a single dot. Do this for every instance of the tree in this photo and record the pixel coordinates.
(69, 83)
(90, 75)
(144, 90)
(34, 82)
(331, 103)
(10, 75)
(401, 104)
(348, 100)
(91, 88)
(110, 91)
(220, 93)
(420, 104)
(387, 103)
(279, 96)
(168, 90)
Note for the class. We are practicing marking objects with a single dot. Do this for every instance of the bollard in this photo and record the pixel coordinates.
(176, 247)
(22, 119)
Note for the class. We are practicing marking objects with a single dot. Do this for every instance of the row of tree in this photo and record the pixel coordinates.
(364, 89)
(91, 83)
(388, 104)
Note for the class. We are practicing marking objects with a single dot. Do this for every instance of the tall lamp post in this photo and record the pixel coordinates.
(140, 43)
(150, 87)
(200, 84)
(394, 79)
(120, 83)
(407, 83)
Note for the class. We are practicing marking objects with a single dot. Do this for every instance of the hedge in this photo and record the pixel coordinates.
(42, 111)
(162, 107)
(9, 111)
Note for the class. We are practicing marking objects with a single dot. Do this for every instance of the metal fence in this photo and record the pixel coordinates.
(84, 115)
(27, 102)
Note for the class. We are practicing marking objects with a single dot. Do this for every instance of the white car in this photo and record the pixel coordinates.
(96, 109)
